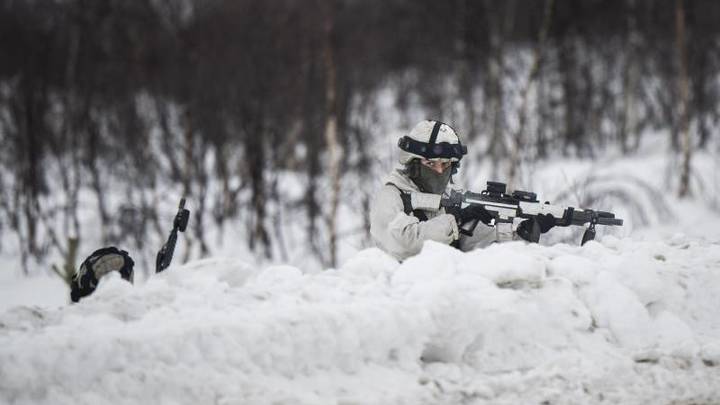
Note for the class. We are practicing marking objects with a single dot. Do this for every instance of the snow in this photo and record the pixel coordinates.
(620, 320)
(44, 291)
(629, 318)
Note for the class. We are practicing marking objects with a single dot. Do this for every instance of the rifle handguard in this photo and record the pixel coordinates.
(566, 220)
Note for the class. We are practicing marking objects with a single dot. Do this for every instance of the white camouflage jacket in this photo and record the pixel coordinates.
(403, 235)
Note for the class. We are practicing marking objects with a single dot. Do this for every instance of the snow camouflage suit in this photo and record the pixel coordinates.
(403, 235)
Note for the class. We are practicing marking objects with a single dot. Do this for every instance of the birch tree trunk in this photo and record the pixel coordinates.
(630, 78)
(683, 91)
(496, 66)
(463, 78)
(331, 131)
(518, 141)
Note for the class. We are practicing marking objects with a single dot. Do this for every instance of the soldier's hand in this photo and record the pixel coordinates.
(442, 228)
(530, 229)
(546, 222)
(473, 212)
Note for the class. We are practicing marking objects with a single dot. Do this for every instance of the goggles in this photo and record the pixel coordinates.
(442, 150)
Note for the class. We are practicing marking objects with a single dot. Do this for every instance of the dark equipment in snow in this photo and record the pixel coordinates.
(503, 207)
(165, 255)
(109, 259)
(98, 264)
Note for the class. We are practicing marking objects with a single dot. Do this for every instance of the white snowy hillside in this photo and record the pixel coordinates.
(629, 318)
(615, 321)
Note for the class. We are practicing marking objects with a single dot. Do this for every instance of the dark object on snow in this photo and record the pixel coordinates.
(473, 213)
(530, 229)
(108, 259)
(95, 266)
(165, 255)
(540, 217)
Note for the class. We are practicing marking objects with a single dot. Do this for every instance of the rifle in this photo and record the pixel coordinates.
(504, 208)
(165, 255)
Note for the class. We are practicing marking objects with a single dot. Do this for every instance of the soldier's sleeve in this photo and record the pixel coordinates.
(403, 235)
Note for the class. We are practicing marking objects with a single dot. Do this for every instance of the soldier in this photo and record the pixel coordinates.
(429, 156)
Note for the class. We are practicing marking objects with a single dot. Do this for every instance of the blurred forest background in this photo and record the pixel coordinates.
(213, 99)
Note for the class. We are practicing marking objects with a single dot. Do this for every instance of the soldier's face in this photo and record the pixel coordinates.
(437, 165)
(431, 176)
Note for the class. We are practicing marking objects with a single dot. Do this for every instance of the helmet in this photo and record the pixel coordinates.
(98, 264)
(431, 139)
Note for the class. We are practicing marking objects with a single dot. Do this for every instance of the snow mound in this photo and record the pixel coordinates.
(619, 320)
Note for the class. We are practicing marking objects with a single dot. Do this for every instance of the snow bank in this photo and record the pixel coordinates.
(43, 291)
(619, 320)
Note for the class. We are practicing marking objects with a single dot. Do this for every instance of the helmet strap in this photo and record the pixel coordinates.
(434, 133)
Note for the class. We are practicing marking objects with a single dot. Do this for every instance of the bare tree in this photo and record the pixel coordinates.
(630, 78)
(683, 102)
(518, 140)
(495, 91)
(331, 126)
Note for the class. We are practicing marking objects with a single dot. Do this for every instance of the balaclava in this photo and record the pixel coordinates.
(427, 179)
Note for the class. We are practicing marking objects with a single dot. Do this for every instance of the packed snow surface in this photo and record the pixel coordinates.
(619, 320)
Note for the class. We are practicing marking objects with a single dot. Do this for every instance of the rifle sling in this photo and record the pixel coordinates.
(407, 205)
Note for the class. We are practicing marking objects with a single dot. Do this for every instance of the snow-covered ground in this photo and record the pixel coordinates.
(619, 320)
(630, 318)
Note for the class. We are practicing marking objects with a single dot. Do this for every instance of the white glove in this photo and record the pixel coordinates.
(442, 228)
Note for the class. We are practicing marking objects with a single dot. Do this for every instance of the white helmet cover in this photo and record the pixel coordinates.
(431, 139)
